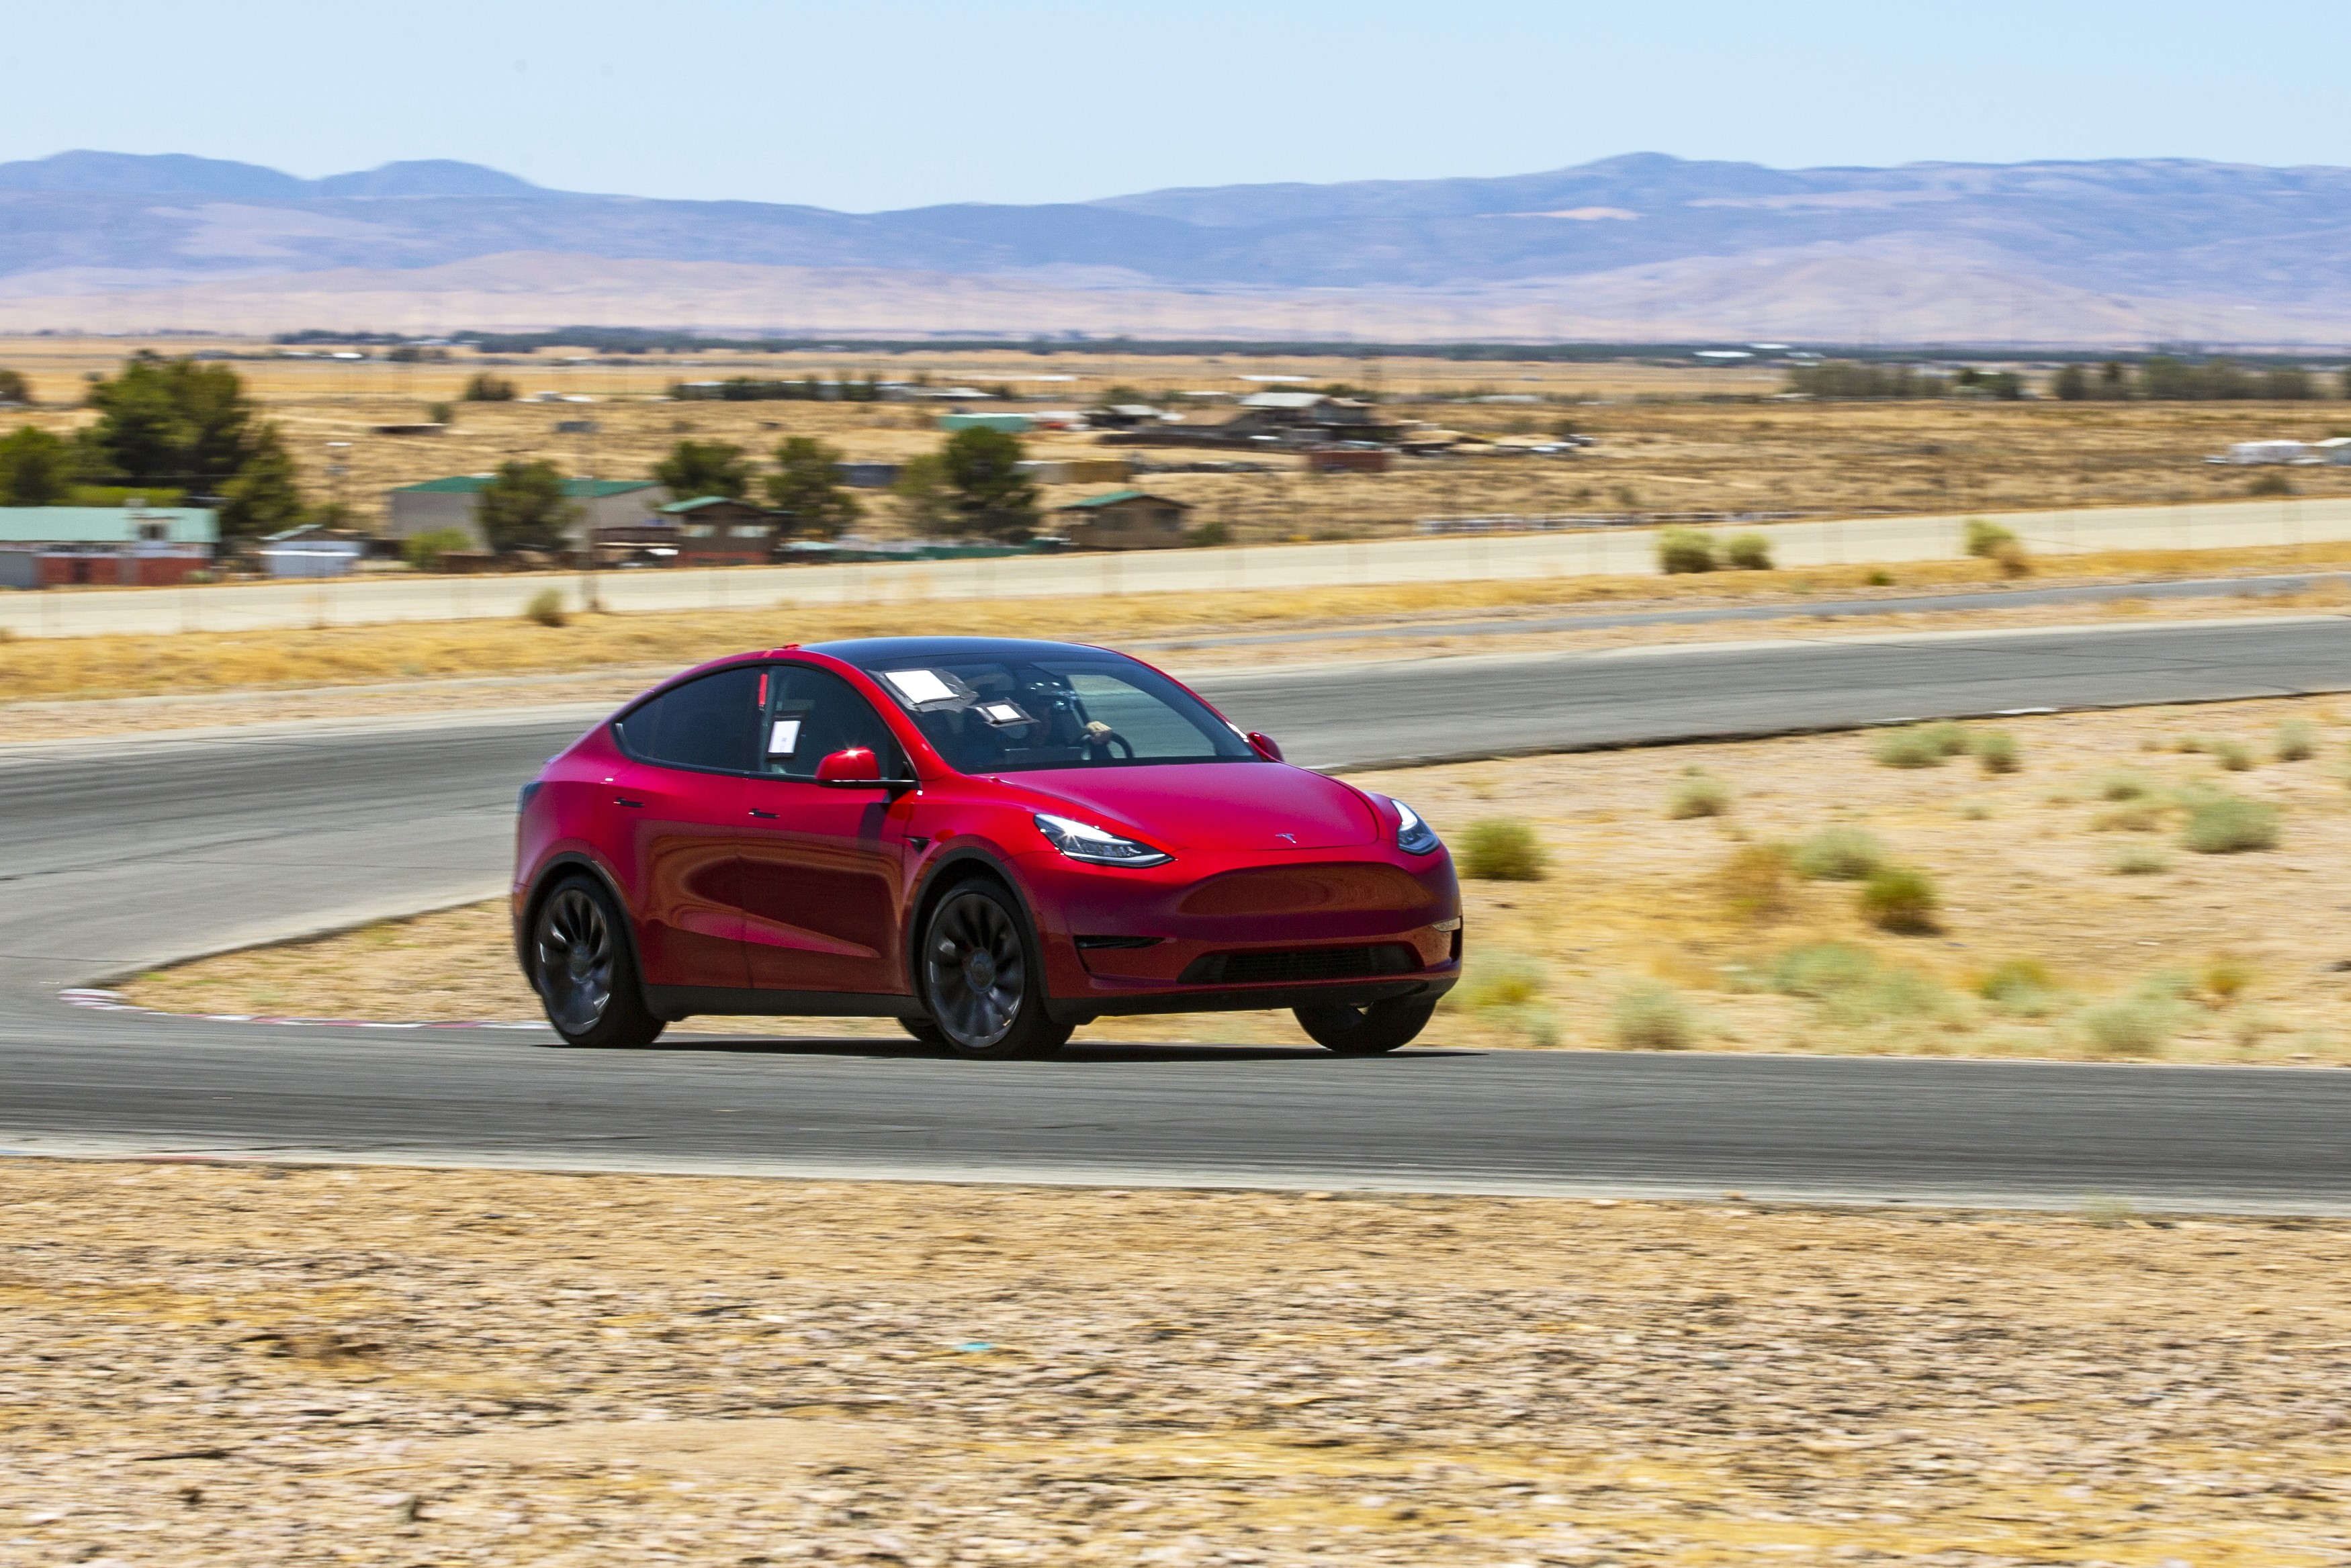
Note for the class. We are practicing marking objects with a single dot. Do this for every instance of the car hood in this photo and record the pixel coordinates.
(1213, 805)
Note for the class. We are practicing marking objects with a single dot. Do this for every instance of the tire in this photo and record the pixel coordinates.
(978, 978)
(1365, 1031)
(924, 1030)
(584, 972)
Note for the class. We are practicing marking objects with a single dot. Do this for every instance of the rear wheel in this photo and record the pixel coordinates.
(1364, 1030)
(980, 978)
(924, 1030)
(581, 968)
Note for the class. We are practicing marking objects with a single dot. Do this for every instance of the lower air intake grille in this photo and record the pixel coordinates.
(1309, 964)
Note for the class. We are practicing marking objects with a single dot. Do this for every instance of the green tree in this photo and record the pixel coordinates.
(484, 388)
(13, 388)
(992, 497)
(695, 469)
(524, 507)
(171, 422)
(926, 500)
(807, 488)
(35, 468)
(2071, 384)
(262, 498)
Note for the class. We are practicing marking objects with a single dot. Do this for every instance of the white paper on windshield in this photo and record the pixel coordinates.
(920, 686)
(1004, 713)
(784, 737)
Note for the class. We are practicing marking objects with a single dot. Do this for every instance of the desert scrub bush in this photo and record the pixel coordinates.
(2233, 755)
(2131, 817)
(1650, 1015)
(2296, 742)
(1995, 750)
(2019, 986)
(1696, 793)
(1983, 537)
(1503, 849)
(2224, 981)
(1918, 746)
(1838, 855)
(2229, 825)
(2134, 1026)
(1684, 550)
(1817, 970)
(2271, 484)
(1900, 898)
(1505, 988)
(1853, 989)
(2125, 784)
(545, 608)
(1755, 882)
(2137, 860)
(1747, 552)
(1499, 977)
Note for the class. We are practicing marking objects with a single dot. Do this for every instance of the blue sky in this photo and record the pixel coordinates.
(889, 103)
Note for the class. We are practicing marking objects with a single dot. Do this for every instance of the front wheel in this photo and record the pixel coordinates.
(980, 980)
(581, 968)
(1364, 1030)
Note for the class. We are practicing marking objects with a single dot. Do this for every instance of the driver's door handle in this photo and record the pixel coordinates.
(769, 815)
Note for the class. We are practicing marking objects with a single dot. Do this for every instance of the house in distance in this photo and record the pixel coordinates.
(439, 503)
(1124, 520)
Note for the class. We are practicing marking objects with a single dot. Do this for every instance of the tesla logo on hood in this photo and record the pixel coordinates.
(1287, 838)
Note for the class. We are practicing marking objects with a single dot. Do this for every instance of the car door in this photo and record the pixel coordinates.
(678, 810)
(822, 867)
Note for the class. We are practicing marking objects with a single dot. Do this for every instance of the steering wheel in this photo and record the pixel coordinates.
(1102, 737)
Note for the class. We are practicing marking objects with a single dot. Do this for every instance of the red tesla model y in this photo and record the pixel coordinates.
(992, 841)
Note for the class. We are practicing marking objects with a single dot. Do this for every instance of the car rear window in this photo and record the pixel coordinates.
(712, 723)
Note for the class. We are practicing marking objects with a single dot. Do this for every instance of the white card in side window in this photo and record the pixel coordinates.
(1004, 714)
(783, 737)
(920, 686)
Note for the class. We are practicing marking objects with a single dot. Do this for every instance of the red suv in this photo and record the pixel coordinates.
(992, 841)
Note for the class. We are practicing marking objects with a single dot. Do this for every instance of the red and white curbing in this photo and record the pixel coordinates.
(111, 1001)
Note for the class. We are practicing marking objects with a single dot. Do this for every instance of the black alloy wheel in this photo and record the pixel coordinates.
(582, 969)
(1366, 1031)
(980, 978)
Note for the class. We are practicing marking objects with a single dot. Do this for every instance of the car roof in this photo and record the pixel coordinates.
(866, 650)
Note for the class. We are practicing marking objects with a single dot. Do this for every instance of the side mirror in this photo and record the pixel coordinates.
(1265, 747)
(855, 768)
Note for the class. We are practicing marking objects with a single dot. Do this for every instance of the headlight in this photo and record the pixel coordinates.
(1414, 837)
(1084, 841)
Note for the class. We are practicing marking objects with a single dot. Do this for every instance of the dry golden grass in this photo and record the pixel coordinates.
(2024, 861)
(190, 663)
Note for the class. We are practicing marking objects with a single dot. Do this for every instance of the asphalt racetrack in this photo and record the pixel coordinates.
(124, 853)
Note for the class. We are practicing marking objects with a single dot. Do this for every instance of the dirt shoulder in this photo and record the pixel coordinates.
(2069, 924)
(201, 1365)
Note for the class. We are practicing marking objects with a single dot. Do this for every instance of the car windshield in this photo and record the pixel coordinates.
(993, 715)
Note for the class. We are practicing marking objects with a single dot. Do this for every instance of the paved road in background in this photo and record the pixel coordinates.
(126, 853)
(250, 607)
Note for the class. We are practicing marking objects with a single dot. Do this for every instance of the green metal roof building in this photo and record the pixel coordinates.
(107, 524)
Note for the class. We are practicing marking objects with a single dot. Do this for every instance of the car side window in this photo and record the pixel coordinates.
(812, 713)
(712, 723)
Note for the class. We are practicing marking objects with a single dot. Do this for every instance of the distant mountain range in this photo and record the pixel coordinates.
(1638, 247)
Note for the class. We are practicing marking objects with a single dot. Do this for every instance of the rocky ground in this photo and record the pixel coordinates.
(205, 1364)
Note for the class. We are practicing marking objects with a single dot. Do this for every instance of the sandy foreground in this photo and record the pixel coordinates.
(2212, 958)
(209, 1364)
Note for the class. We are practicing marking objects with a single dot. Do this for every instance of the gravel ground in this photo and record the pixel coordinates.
(209, 1364)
